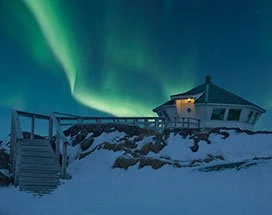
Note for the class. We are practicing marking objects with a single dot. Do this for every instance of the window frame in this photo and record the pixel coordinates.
(223, 114)
(249, 116)
(234, 109)
(255, 117)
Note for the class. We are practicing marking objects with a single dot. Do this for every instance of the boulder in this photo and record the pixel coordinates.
(85, 144)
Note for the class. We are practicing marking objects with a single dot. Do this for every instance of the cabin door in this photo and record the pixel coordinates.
(186, 108)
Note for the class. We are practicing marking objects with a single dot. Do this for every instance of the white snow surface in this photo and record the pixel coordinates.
(237, 147)
(97, 189)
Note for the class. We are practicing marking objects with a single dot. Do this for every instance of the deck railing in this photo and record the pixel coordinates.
(144, 122)
(183, 122)
(57, 120)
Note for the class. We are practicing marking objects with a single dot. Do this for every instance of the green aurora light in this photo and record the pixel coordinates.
(123, 50)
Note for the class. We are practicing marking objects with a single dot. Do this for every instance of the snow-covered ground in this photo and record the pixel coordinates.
(98, 189)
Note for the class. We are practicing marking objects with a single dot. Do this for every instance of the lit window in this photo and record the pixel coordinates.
(234, 114)
(249, 116)
(218, 114)
(255, 118)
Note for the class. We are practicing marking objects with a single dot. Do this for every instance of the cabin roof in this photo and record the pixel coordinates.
(211, 93)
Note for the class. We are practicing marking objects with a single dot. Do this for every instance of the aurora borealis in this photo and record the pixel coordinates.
(124, 57)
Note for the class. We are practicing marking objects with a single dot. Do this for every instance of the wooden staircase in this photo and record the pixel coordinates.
(38, 169)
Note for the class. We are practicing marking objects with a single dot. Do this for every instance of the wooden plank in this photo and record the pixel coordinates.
(39, 181)
(32, 127)
(28, 114)
(39, 175)
(40, 166)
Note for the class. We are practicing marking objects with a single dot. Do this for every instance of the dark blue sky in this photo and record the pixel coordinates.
(125, 57)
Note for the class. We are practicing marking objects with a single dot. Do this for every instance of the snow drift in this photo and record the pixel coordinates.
(128, 170)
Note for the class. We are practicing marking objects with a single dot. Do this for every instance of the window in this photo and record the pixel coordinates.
(218, 114)
(255, 118)
(234, 114)
(166, 115)
(249, 116)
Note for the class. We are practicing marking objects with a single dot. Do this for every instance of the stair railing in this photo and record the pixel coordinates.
(61, 143)
(16, 137)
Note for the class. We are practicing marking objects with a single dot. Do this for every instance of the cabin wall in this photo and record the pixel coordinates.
(203, 112)
(242, 123)
(169, 112)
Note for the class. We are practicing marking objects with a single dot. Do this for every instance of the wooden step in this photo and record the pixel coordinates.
(33, 154)
(35, 149)
(39, 175)
(36, 170)
(35, 145)
(39, 166)
(39, 171)
(29, 160)
(38, 189)
(51, 182)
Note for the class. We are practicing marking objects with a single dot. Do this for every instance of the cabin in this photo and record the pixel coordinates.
(210, 106)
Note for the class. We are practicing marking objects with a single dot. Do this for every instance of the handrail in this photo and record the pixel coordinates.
(27, 114)
(108, 118)
(183, 122)
(16, 135)
(61, 142)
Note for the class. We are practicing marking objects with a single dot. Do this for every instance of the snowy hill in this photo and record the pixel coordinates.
(128, 170)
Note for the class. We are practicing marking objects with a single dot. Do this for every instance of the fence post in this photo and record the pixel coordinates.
(198, 123)
(57, 146)
(17, 162)
(156, 123)
(183, 121)
(188, 122)
(50, 129)
(64, 160)
(80, 120)
(12, 137)
(146, 123)
(32, 127)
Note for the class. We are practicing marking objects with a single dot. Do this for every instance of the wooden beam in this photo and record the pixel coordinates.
(32, 127)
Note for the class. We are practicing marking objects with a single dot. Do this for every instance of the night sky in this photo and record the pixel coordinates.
(125, 57)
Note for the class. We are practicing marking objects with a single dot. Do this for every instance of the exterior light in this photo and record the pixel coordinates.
(189, 100)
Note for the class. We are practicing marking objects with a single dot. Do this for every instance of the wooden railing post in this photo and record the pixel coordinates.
(198, 123)
(80, 120)
(12, 139)
(50, 129)
(146, 123)
(57, 147)
(17, 163)
(32, 127)
(183, 121)
(156, 123)
(64, 160)
(188, 122)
